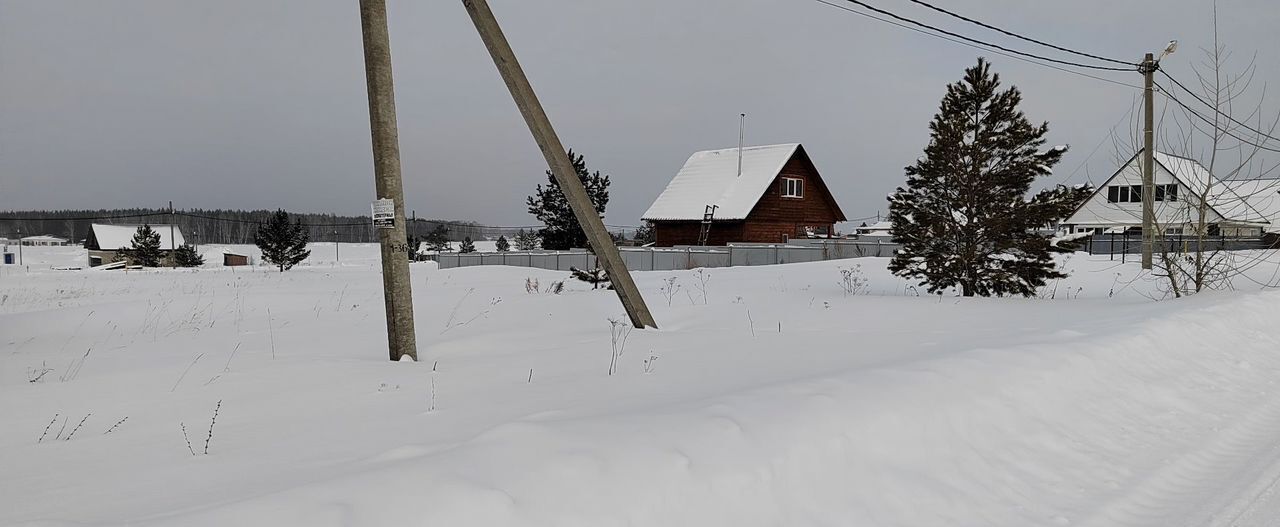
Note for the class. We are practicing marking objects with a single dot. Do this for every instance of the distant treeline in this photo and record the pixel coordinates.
(202, 226)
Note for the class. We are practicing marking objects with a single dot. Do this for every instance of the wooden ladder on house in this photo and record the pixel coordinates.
(707, 215)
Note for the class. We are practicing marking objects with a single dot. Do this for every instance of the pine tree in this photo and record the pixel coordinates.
(645, 234)
(526, 240)
(186, 256)
(145, 250)
(438, 239)
(964, 219)
(467, 246)
(502, 244)
(550, 206)
(283, 244)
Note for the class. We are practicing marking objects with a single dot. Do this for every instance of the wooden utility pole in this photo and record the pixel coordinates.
(540, 126)
(396, 292)
(1148, 70)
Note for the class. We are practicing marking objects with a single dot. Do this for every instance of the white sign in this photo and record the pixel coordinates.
(384, 214)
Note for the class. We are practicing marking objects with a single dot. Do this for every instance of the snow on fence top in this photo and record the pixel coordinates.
(112, 237)
(711, 177)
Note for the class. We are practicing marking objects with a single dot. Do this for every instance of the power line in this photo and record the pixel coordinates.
(1215, 126)
(984, 43)
(85, 218)
(974, 46)
(1215, 108)
(317, 225)
(1015, 35)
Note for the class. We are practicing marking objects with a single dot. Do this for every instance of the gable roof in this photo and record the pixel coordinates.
(710, 177)
(1231, 201)
(113, 237)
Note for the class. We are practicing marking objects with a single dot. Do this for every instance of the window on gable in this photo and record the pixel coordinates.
(1124, 194)
(792, 187)
(1113, 194)
(1135, 193)
(1171, 192)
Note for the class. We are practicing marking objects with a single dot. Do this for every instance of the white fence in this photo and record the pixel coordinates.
(683, 257)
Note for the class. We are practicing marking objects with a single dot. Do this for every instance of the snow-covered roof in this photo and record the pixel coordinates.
(1233, 199)
(112, 237)
(711, 177)
(43, 238)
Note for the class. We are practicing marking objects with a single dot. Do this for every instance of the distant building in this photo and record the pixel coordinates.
(1235, 207)
(43, 240)
(105, 240)
(6, 241)
(879, 228)
(777, 196)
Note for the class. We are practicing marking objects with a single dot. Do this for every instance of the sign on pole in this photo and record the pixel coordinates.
(384, 214)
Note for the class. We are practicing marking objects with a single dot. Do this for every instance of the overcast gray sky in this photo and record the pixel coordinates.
(261, 103)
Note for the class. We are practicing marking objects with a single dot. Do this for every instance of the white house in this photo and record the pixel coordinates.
(43, 240)
(1244, 208)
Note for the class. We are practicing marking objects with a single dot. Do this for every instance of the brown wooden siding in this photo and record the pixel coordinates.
(669, 233)
(774, 219)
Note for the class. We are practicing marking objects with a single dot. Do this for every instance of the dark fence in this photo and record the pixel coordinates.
(1121, 245)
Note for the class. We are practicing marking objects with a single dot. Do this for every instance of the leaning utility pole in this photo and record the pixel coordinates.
(396, 292)
(1148, 69)
(540, 126)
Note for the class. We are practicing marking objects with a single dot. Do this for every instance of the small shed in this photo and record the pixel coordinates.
(230, 259)
(758, 194)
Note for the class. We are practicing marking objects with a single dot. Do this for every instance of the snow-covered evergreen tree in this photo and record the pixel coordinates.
(964, 219)
(502, 244)
(467, 246)
(550, 206)
(438, 239)
(186, 256)
(283, 244)
(144, 249)
(526, 240)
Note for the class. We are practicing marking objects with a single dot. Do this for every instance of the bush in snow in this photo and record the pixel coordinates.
(852, 281)
(596, 277)
(186, 256)
(964, 219)
(283, 244)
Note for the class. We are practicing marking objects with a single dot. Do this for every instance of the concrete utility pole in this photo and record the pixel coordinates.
(1148, 69)
(396, 291)
(561, 167)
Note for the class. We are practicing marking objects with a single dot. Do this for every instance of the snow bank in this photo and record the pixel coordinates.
(772, 399)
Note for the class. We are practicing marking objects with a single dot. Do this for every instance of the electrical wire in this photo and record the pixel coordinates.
(984, 43)
(1015, 35)
(1216, 126)
(974, 46)
(1214, 107)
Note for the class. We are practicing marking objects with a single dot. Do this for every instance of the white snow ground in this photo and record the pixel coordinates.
(777, 401)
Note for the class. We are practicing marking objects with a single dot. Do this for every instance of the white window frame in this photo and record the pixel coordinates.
(791, 187)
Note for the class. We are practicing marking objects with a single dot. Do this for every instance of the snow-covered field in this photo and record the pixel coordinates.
(769, 397)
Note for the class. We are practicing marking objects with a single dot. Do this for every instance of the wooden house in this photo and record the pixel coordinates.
(763, 194)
